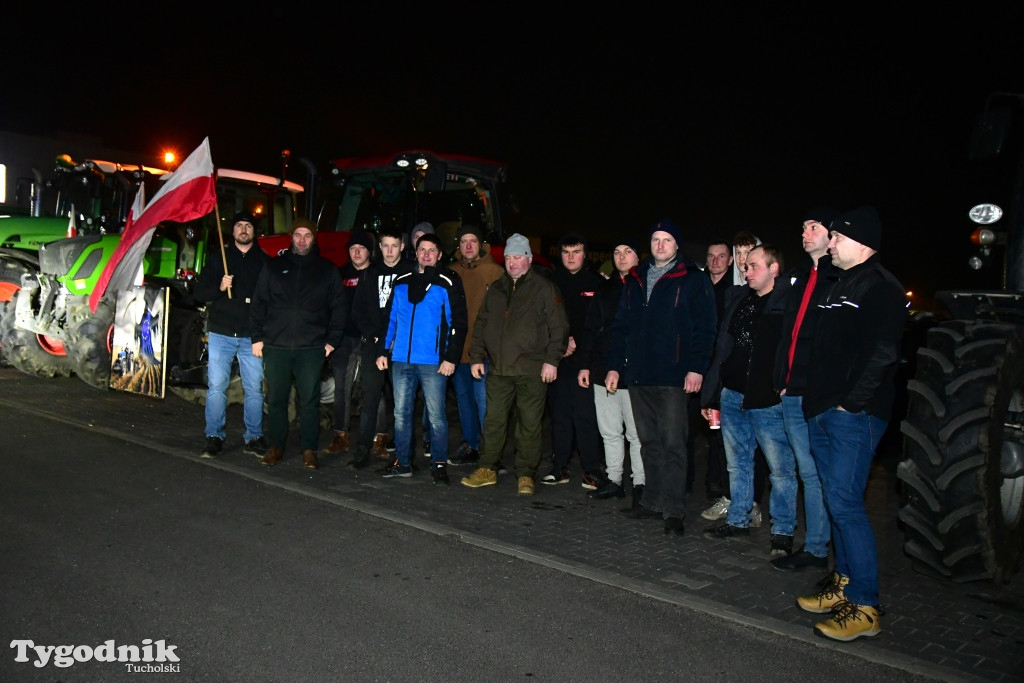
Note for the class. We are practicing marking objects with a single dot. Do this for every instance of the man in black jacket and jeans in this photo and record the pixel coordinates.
(227, 296)
(740, 382)
(298, 319)
(848, 403)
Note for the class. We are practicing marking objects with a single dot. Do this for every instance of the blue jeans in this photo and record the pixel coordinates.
(471, 395)
(222, 351)
(742, 431)
(843, 445)
(815, 516)
(406, 377)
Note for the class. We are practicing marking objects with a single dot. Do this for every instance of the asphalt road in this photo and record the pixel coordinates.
(103, 539)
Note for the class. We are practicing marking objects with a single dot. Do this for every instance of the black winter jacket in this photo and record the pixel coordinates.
(857, 343)
(592, 345)
(657, 342)
(350, 280)
(759, 391)
(298, 303)
(226, 316)
(798, 279)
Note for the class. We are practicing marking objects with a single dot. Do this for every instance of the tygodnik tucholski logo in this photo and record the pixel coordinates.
(151, 656)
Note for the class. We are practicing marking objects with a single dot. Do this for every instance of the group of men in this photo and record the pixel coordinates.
(800, 366)
(804, 371)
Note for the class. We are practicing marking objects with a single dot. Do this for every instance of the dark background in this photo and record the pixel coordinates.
(721, 119)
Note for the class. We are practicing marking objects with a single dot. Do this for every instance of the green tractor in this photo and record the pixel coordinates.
(88, 198)
(962, 475)
(55, 302)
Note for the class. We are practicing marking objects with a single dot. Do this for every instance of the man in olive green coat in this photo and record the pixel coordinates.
(522, 328)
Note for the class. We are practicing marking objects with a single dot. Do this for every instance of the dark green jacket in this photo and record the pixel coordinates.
(521, 326)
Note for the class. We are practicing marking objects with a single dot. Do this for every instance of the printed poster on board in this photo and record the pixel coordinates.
(138, 353)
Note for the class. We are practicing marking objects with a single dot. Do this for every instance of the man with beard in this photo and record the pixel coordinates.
(228, 295)
(298, 319)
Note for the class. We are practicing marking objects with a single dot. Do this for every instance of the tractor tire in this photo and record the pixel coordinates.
(90, 339)
(11, 271)
(962, 493)
(34, 354)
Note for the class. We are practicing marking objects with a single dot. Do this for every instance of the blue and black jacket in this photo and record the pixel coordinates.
(427, 318)
(658, 338)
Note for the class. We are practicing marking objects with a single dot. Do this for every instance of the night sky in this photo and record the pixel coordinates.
(721, 119)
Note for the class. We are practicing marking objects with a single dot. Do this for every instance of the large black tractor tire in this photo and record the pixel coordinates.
(962, 475)
(11, 271)
(90, 339)
(29, 352)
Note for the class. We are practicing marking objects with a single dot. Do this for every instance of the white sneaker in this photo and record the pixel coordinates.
(755, 516)
(718, 510)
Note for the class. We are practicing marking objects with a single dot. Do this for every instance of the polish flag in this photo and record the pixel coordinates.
(188, 193)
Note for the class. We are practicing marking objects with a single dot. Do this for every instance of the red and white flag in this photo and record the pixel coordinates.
(188, 193)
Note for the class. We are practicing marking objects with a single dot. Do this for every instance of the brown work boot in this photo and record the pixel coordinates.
(273, 456)
(849, 621)
(309, 459)
(380, 447)
(481, 476)
(340, 443)
(830, 593)
(525, 486)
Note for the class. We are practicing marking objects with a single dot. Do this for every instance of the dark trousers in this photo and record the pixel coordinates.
(280, 368)
(345, 364)
(376, 387)
(660, 416)
(525, 395)
(574, 421)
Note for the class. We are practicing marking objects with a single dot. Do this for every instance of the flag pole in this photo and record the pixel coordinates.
(220, 236)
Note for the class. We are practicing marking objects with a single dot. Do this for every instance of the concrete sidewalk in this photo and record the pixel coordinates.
(932, 627)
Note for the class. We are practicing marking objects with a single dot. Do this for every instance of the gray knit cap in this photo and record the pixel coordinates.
(517, 245)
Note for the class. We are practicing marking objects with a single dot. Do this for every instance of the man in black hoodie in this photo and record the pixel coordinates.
(227, 295)
(614, 410)
(369, 313)
(345, 359)
(298, 319)
(573, 416)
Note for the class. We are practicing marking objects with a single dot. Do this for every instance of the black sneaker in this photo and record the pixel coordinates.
(214, 445)
(426, 449)
(395, 470)
(464, 456)
(439, 473)
(609, 489)
(782, 546)
(500, 468)
(592, 482)
(390, 446)
(257, 446)
(555, 477)
(726, 532)
(799, 561)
